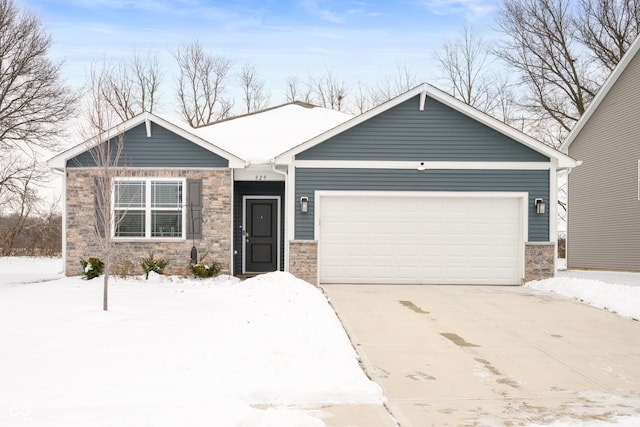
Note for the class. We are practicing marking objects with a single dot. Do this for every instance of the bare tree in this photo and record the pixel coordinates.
(323, 90)
(328, 91)
(105, 144)
(297, 91)
(608, 27)
(364, 98)
(202, 82)
(254, 95)
(34, 103)
(465, 62)
(128, 87)
(541, 45)
(401, 80)
(148, 77)
(34, 108)
(18, 197)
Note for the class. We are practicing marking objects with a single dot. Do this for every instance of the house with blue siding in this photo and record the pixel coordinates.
(422, 189)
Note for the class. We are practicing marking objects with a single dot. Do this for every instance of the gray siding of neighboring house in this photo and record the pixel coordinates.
(604, 210)
(163, 149)
(439, 133)
(535, 182)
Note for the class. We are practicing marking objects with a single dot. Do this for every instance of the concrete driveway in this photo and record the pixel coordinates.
(490, 356)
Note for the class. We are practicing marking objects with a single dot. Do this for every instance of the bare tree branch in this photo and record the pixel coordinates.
(104, 142)
(297, 91)
(328, 92)
(542, 46)
(148, 76)
(608, 27)
(201, 85)
(464, 62)
(34, 103)
(254, 96)
(401, 80)
(127, 88)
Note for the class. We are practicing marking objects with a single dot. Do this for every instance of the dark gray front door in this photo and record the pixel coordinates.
(261, 234)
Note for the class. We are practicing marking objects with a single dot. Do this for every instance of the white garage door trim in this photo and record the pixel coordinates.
(521, 198)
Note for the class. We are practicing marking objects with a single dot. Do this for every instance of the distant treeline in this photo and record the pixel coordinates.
(30, 236)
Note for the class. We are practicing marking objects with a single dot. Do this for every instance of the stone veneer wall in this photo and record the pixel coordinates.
(303, 260)
(216, 223)
(539, 260)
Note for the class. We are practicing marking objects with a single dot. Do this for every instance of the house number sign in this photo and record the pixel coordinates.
(261, 177)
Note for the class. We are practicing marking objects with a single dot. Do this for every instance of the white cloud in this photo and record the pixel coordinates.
(316, 8)
(471, 9)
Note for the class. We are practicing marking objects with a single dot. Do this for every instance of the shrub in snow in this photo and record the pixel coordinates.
(204, 269)
(150, 264)
(92, 267)
(124, 269)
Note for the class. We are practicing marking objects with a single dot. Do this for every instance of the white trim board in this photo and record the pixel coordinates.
(433, 165)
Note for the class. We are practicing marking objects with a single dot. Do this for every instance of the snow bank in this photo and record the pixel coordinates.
(617, 298)
(173, 351)
(29, 269)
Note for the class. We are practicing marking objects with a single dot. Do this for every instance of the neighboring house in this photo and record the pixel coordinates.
(422, 189)
(604, 192)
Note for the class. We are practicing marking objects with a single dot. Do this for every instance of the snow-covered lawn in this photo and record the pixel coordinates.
(170, 351)
(618, 292)
(268, 351)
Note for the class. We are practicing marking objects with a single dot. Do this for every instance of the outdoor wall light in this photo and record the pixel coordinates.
(540, 206)
(304, 204)
(421, 167)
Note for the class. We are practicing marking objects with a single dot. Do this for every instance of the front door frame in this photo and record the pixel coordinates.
(244, 227)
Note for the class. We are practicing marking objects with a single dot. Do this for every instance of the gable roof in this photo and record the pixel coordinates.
(59, 161)
(250, 138)
(259, 137)
(426, 90)
(602, 94)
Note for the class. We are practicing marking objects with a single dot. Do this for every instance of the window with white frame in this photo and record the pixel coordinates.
(148, 208)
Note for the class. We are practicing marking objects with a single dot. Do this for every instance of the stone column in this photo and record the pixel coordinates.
(303, 260)
(539, 260)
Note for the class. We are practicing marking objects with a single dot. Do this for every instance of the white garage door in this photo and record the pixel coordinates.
(425, 239)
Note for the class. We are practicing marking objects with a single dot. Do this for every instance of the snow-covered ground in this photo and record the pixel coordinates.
(268, 351)
(618, 292)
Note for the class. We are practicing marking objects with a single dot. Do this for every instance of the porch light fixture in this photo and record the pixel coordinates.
(421, 167)
(540, 206)
(304, 204)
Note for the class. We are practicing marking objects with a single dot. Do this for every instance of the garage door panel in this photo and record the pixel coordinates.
(395, 239)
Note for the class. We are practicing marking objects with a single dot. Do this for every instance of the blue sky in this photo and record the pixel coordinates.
(357, 40)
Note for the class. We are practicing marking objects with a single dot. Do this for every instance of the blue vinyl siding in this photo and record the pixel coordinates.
(439, 133)
(534, 182)
(163, 149)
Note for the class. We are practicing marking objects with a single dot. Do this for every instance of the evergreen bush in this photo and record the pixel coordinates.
(150, 264)
(92, 267)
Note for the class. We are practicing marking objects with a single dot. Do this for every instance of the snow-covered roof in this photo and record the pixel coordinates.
(261, 136)
(251, 138)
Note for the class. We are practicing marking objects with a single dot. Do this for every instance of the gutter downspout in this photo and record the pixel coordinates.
(567, 171)
(288, 204)
(63, 249)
